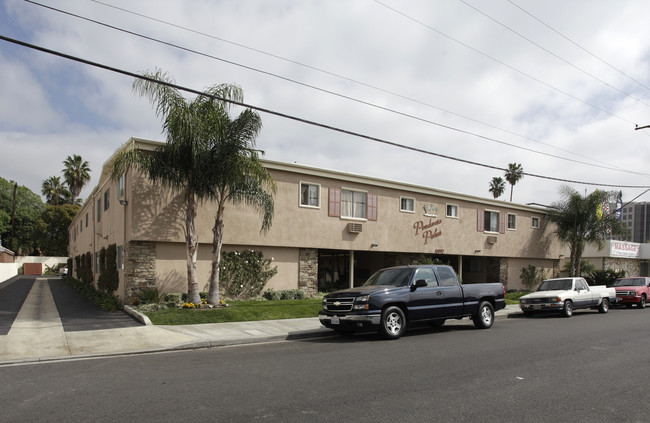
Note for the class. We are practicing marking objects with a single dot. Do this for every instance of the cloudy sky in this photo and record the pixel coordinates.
(555, 86)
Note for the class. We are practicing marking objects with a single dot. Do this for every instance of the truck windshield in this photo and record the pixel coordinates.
(394, 277)
(555, 285)
(629, 282)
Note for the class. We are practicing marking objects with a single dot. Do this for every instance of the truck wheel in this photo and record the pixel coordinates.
(604, 306)
(642, 302)
(393, 323)
(567, 310)
(484, 317)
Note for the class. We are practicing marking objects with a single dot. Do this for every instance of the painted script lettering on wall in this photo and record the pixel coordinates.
(428, 230)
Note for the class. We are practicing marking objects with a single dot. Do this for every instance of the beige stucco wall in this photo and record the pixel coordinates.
(155, 214)
(171, 266)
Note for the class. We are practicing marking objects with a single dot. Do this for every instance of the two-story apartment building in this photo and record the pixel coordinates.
(330, 229)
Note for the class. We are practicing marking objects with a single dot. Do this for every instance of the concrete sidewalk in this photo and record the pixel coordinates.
(37, 334)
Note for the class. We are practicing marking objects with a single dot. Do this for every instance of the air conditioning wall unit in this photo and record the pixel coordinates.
(492, 240)
(355, 228)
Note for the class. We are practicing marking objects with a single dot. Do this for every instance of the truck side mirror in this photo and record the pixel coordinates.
(420, 283)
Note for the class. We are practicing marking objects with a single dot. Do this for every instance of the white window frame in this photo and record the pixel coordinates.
(401, 204)
(355, 206)
(309, 184)
(120, 187)
(485, 221)
(532, 222)
(454, 207)
(120, 257)
(514, 227)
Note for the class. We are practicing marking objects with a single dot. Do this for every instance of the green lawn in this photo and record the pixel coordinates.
(513, 297)
(239, 311)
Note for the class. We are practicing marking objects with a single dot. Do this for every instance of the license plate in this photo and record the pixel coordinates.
(335, 320)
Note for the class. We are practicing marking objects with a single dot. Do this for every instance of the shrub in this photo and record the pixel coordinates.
(272, 295)
(147, 296)
(604, 277)
(531, 276)
(284, 294)
(243, 274)
(175, 298)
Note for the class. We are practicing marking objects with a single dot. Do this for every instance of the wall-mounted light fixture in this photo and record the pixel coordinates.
(373, 245)
(123, 202)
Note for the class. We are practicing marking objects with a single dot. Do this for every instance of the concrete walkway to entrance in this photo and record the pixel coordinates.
(43, 319)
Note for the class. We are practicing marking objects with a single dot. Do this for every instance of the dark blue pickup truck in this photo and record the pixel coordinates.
(394, 297)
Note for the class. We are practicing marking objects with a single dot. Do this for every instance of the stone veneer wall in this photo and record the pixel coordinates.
(308, 270)
(497, 270)
(632, 267)
(139, 268)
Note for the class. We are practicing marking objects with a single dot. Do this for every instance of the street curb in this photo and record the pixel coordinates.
(137, 315)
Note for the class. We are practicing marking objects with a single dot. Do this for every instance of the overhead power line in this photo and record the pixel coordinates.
(554, 55)
(295, 118)
(366, 103)
(503, 63)
(578, 45)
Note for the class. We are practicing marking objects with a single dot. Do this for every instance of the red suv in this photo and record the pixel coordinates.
(631, 291)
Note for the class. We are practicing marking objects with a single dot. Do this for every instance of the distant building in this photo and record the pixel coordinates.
(636, 217)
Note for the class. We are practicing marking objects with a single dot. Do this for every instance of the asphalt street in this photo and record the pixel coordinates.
(590, 367)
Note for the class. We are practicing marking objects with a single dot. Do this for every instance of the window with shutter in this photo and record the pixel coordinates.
(372, 207)
(334, 202)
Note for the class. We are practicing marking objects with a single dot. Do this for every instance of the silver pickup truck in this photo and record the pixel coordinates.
(567, 294)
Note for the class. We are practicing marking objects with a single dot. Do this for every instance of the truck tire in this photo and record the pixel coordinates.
(641, 303)
(567, 310)
(484, 317)
(393, 323)
(604, 306)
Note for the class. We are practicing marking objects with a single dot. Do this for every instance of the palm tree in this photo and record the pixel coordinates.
(514, 173)
(579, 222)
(497, 186)
(55, 192)
(236, 176)
(182, 164)
(76, 173)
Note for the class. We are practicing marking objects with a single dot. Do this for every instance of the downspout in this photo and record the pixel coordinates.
(351, 276)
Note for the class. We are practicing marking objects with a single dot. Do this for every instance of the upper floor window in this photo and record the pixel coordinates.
(407, 204)
(352, 204)
(86, 220)
(309, 195)
(120, 187)
(452, 210)
(535, 222)
(512, 221)
(99, 210)
(491, 221)
(107, 195)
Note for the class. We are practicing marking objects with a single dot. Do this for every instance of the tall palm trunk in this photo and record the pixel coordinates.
(217, 243)
(192, 246)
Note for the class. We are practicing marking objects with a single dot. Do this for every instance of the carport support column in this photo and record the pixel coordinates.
(351, 277)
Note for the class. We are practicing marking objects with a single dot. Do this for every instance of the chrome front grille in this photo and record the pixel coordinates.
(625, 293)
(339, 304)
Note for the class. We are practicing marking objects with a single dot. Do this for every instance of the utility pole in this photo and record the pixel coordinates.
(13, 219)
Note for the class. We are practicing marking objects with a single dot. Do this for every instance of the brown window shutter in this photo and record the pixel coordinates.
(334, 202)
(372, 207)
(502, 223)
(480, 220)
